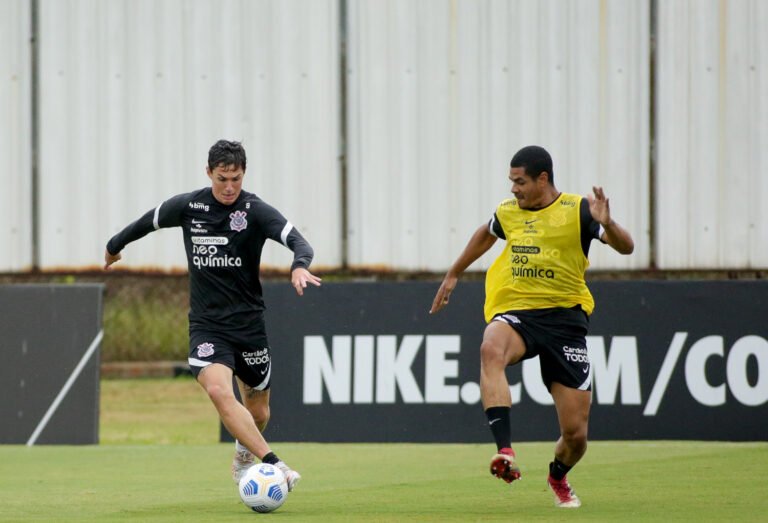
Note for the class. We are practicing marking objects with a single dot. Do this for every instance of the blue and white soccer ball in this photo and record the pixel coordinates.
(263, 488)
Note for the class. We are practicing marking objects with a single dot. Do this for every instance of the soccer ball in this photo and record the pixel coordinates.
(263, 488)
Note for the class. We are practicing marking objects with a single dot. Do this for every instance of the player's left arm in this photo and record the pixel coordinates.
(279, 229)
(302, 257)
(612, 233)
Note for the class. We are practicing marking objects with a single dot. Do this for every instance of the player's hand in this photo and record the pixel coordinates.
(443, 293)
(599, 206)
(109, 259)
(300, 277)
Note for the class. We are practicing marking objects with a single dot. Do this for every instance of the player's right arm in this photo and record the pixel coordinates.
(167, 214)
(478, 244)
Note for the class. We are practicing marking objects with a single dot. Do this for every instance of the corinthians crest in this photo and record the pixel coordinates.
(238, 222)
(205, 349)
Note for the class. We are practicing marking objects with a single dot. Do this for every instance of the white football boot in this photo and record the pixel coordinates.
(243, 460)
(291, 476)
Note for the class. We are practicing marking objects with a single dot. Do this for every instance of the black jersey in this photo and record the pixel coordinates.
(223, 245)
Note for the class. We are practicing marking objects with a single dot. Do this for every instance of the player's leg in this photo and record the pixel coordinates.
(257, 403)
(216, 380)
(572, 407)
(254, 371)
(501, 346)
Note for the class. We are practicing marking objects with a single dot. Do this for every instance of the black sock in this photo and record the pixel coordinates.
(558, 469)
(498, 421)
(270, 458)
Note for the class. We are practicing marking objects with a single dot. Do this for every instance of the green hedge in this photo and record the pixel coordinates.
(145, 315)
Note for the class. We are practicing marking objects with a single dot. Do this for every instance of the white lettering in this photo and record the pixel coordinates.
(665, 374)
(534, 385)
(215, 261)
(393, 367)
(516, 393)
(438, 368)
(367, 369)
(736, 370)
(320, 368)
(363, 379)
(210, 240)
(619, 366)
(695, 371)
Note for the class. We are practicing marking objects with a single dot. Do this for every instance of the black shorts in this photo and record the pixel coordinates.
(250, 362)
(559, 338)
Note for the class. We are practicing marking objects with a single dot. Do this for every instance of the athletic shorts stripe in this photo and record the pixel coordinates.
(194, 362)
(265, 382)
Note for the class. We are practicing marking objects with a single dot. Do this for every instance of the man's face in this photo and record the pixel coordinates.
(226, 182)
(528, 191)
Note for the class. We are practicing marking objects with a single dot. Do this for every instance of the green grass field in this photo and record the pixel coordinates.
(160, 461)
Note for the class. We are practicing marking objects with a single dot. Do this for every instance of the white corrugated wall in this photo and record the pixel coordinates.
(442, 94)
(134, 92)
(15, 136)
(712, 134)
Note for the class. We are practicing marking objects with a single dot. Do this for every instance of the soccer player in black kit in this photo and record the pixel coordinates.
(225, 229)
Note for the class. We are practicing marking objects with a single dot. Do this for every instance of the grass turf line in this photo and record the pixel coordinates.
(648, 481)
(159, 461)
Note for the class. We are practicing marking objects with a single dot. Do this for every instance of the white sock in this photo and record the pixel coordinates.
(240, 448)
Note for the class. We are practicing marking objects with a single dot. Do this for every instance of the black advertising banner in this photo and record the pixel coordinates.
(50, 373)
(365, 362)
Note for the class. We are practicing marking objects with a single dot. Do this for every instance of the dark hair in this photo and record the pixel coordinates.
(226, 153)
(534, 160)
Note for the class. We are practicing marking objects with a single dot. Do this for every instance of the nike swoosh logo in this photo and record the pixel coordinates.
(585, 369)
(527, 222)
(198, 221)
(494, 421)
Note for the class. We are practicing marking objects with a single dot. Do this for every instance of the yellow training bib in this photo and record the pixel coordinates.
(542, 265)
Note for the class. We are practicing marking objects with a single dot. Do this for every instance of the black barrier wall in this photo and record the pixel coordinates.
(49, 378)
(366, 362)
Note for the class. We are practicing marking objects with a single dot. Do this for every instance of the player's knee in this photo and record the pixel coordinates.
(492, 355)
(261, 417)
(576, 437)
(218, 394)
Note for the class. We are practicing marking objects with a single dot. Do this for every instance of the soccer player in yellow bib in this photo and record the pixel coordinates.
(538, 304)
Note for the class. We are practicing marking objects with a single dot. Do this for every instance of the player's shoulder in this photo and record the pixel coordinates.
(506, 206)
(249, 197)
(569, 199)
(193, 200)
(251, 202)
(254, 204)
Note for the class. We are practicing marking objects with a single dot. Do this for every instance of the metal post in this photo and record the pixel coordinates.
(34, 42)
(343, 138)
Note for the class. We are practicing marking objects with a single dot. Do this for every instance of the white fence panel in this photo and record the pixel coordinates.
(134, 92)
(712, 134)
(443, 93)
(15, 136)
